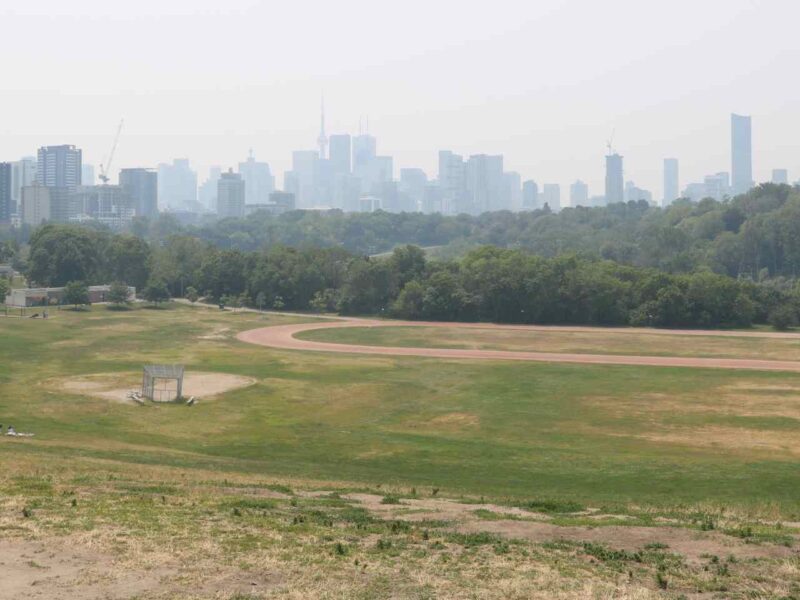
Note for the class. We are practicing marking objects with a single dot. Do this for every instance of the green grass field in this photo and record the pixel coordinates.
(633, 441)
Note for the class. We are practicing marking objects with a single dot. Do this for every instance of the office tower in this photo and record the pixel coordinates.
(530, 195)
(452, 182)
(364, 151)
(5, 192)
(59, 166)
(304, 177)
(412, 189)
(579, 194)
(484, 183)
(141, 185)
(780, 176)
(551, 196)
(231, 193)
(512, 191)
(633, 193)
(35, 204)
(207, 192)
(23, 173)
(322, 140)
(339, 150)
(741, 154)
(615, 188)
(177, 186)
(259, 182)
(87, 175)
(346, 191)
(671, 181)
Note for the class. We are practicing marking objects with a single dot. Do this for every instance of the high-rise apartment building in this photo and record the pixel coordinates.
(59, 166)
(259, 182)
(452, 182)
(671, 182)
(141, 186)
(741, 154)
(5, 192)
(551, 196)
(615, 186)
(530, 195)
(512, 192)
(412, 189)
(579, 194)
(87, 175)
(231, 193)
(207, 192)
(484, 183)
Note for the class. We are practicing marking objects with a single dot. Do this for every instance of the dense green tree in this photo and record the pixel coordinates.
(156, 291)
(76, 293)
(118, 294)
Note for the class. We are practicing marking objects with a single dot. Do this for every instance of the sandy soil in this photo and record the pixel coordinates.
(283, 337)
(115, 386)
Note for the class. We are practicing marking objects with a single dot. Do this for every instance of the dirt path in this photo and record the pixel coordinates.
(283, 337)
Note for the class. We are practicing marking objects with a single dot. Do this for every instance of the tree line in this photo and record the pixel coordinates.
(488, 283)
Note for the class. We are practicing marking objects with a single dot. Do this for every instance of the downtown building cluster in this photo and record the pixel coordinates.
(344, 172)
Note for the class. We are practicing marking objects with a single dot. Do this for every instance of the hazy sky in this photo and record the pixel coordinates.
(544, 82)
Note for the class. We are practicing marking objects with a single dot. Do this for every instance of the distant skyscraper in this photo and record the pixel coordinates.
(59, 166)
(5, 192)
(230, 195)
(364, 151)
(780, 176)
(615, 187)
(177, 186)
(741, 154)
(579, 194)
(322, 140)
(530, 195)
(258, 180)
(23, 173)
(87, 175)
(551, 196)
(512, 191)
(141, 185)
(305, 174)
(452, 182)
(671, 181)
(207, 192)
(484, 179)
(340, 154)
(717, 186)
(412, 189)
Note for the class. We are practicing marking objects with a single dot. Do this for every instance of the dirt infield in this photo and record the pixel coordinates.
(283, 337)
(115, 386)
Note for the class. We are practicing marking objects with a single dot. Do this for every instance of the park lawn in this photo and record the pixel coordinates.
(599, 341)
(597, 435)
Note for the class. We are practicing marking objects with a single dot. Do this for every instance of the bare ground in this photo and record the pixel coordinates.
(115, 386)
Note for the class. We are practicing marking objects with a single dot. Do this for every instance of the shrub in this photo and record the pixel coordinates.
(783, 318)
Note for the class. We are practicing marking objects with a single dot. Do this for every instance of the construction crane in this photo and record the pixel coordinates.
(105, 169)
(610, 143)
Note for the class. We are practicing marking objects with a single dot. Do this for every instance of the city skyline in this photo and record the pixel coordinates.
(457, 86)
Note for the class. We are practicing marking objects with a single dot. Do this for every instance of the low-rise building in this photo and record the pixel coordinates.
(25, 297)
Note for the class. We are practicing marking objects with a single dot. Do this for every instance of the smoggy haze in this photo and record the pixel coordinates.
(542, 83)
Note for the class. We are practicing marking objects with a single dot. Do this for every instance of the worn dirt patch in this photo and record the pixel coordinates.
(115, 386)
(455, 420)
(55, 568)
(535, 527)
(693, 545)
